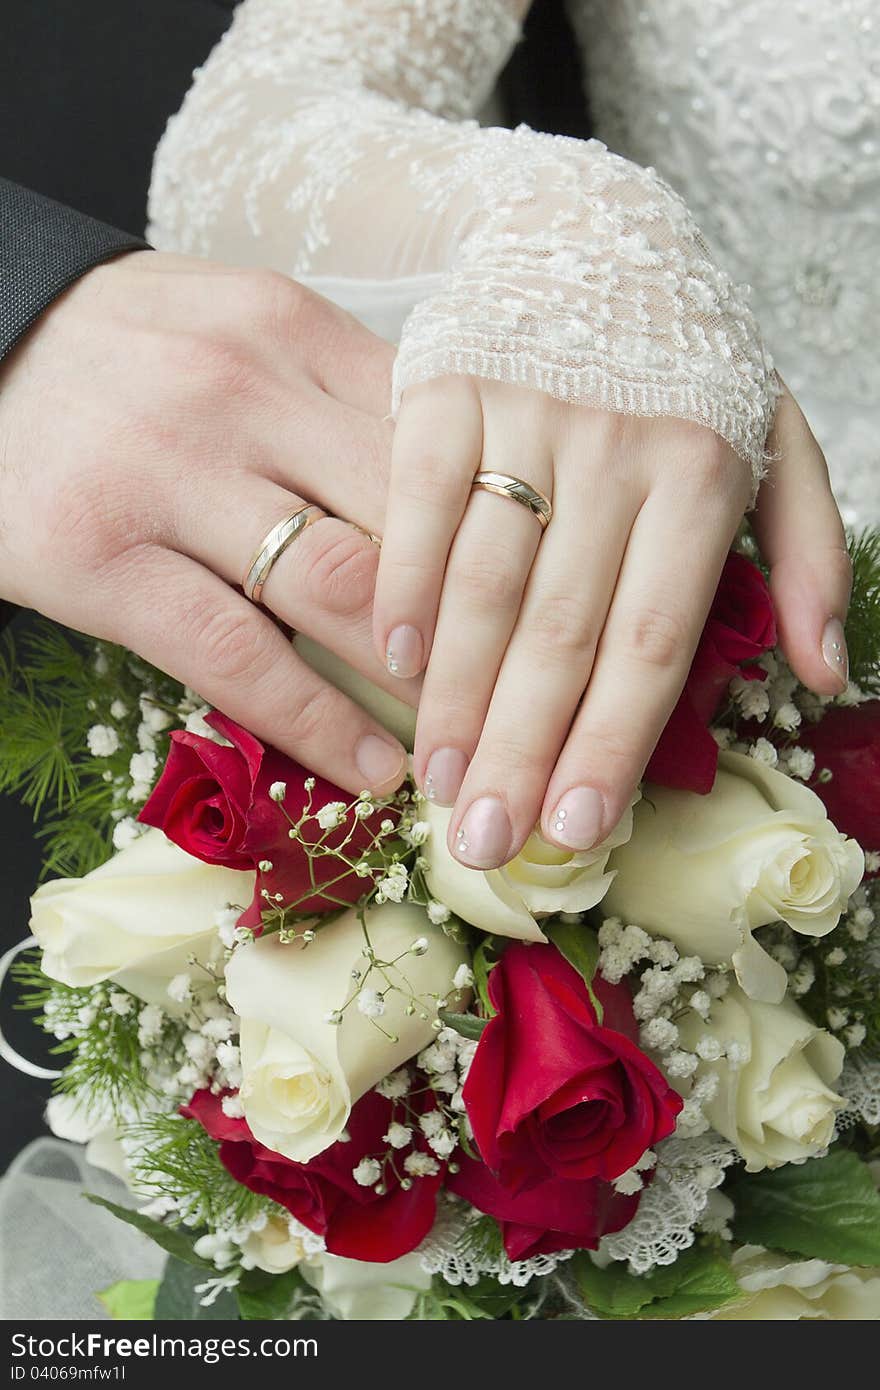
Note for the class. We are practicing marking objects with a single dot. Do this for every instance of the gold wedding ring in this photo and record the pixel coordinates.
(275, 544)
(507, 486)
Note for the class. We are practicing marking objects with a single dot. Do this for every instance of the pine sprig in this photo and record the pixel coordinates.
(177, 1158)
(863, 622)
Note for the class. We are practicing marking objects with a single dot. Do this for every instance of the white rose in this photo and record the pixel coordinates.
(541, 880)
(274, 1248)
(707, 870)
(776, 1106)
(399, 719)
(301, 1073)
(135, 919)
(358, 1291)
(779, 1288)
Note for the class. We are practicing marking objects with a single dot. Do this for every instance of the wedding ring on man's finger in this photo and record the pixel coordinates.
(505, 485)
(274, 544)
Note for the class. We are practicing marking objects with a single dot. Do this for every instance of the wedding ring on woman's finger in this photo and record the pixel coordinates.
(274, 544)
(505, 485)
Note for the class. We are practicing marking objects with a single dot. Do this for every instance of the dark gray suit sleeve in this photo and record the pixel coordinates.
(44, 247)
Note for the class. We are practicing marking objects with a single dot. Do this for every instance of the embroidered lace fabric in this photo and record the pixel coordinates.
(765, 116)
(334, 138)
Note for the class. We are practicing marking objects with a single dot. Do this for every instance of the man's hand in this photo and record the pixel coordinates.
(161, 417)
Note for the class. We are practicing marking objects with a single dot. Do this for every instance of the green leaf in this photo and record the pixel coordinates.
(580, 946)
(169, 1238)
(267, 1297)
(825, 1209)
(178, 1301)
(699, 1281)
(468, 1025)
(484, 962)
(131, 1300)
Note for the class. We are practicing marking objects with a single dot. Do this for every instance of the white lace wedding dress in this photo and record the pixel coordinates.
(334, 140)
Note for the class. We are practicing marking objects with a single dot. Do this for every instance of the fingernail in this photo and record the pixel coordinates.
(378, 760)
(577, 820)
(444, 775)
(834, 651)
(483, 838)
(404, 651)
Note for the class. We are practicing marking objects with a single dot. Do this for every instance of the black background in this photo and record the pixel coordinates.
(86, 87)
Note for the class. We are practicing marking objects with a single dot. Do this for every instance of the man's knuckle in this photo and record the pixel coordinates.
(340, 574)
(231, 646)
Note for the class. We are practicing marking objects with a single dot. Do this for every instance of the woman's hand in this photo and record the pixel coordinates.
(155, 424)
(553, 660)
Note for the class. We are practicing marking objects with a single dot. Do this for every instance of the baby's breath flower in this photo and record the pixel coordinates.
(121, 1003)
(438, 913)
(837, 1018)
(370, 1003)
(418, 833)
(278, 791)
(331, 815)
(232, 1107)
(367, 1173)
(800, 763)
(125, 832)
(659, 1034)
(420, 946)
(463, 977)
(334, 1017)
(102, 740)
(444, 1143)
(118, 709)
(395, 1086)
(398, 1136)
(432, 1123)
(420, 1165)
(787, 717)
(762, 751)
(364, 809)
(179, 988)
(680, 1063)
(835, 957)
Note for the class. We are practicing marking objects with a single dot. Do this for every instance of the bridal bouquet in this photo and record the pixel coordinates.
(344, 1076)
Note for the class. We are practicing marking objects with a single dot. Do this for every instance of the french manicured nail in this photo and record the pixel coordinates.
(404, 651)
(577, 820)
(379, 761)
(834, 650)
(444, 775)
(483, 838)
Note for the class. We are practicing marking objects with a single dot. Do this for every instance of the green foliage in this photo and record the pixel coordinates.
(467, 1025)
(580, 946)
(182, 1161)
(826, 1209)
(168, 1238)
(54, 685)
(101, 1058)
(487, 1301)
(485, 958)
(863, 621)
(179, 1296)
(483, 1239)
(131, 1300)
(699, 1281)
(269, 1297)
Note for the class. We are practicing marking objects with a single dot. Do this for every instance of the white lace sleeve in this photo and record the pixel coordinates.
(334, 137)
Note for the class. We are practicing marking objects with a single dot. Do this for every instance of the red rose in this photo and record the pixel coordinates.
(553, 1215)
(214, 802)
(355, 1221)
(847, 742)
(740, 628)
(551, 1093)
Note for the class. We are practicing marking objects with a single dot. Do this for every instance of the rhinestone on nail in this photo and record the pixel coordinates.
(559, 827)
(393, 666)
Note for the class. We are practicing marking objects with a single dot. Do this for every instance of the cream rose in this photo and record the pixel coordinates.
(354, 1290)
(779, 1288)
(776, 1105)
(136, 919)
(541, 880)
(301, 1073)
(274, 1248)
(707, 870)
